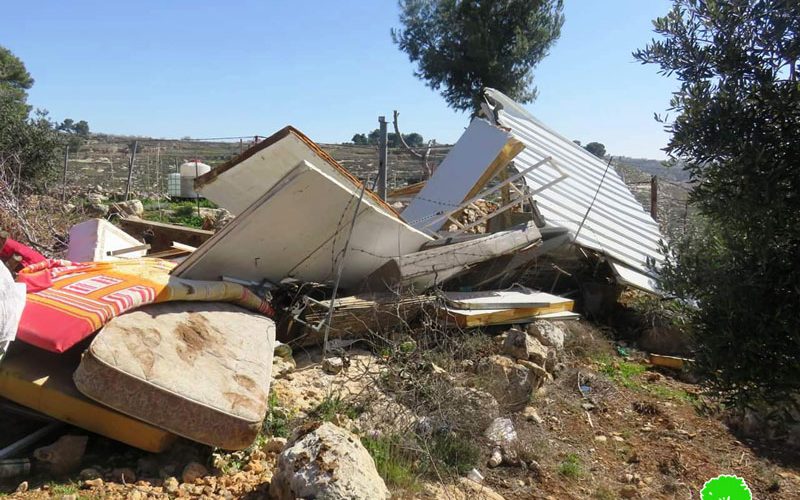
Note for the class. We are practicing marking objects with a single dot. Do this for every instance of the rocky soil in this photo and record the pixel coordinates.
(554, 410)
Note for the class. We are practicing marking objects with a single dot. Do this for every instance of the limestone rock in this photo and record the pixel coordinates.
(23, 487)
(333, 365)
(171, 485)
(193, 471)
(501, 432)
(548, 333)
(520, 345)
(326, 462)
(532, 415)
(128, 208)
(509, 382)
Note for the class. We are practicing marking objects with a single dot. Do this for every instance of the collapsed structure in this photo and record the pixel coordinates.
(310, 249)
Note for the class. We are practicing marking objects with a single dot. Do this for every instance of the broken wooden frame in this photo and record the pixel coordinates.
(520, 196)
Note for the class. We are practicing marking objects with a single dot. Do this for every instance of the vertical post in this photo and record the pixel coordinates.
(130, 170)
(240, 146)
(654, 197)
(383, 157)
(196, 194)
(64, 177)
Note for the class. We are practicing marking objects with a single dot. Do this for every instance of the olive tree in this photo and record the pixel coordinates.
(736, 126)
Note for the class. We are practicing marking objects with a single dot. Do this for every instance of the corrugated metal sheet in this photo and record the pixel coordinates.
(617, 225)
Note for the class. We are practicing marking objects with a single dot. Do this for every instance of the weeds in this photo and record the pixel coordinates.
(456, 453)
(395, 462)
(334, 405)
(276, 423)
(571, 467)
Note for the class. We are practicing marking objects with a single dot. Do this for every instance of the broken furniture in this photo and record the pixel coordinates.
(298, 229)
(199, 370)
(42, 381)
(97, 240)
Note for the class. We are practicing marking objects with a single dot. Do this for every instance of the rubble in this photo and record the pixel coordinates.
(128, 339)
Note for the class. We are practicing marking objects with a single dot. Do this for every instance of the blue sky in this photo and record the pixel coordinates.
(211, 69)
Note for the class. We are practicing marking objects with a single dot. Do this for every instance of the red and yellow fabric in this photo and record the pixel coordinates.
(67, 301)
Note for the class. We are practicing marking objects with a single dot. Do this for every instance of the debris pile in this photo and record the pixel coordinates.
(151, 332)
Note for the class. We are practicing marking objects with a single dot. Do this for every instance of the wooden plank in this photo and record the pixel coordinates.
(160, 235)
(124, 251)
(475, 318)
(499, 299)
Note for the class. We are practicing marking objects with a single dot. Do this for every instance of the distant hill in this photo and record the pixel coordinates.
(655, 167)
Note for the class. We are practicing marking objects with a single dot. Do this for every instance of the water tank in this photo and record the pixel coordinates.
(174, 185)
(189, 171)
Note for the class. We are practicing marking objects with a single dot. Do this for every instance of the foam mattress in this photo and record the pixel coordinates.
(199, 370)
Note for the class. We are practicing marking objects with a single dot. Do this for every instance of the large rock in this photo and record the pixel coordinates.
(549, 334)
(508, 381)
(326, 462)
(128, 208)
(501, 432)
(520, 345)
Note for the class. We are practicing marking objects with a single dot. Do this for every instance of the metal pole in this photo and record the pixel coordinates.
(383, 157)
(654, 197)
(130, 170)
(64, 177)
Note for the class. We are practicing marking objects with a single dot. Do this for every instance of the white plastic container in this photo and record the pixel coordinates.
(189, 171)
(174, 185)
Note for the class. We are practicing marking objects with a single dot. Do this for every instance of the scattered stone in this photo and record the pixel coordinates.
(600, 438)
(654, 377)
(326, 461)
(93, 483)
(496, 458)
(64, 455)
(274, 445)
(587, 406)
(539, 373)
(618, 439)
(548, 334)
(282, 366)
(333, 365)
(501, 431)
(193, 471)
(124, 475)
(23, 487)
(70, 497)
(629, 491)
(532, 415)
(171, 485)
